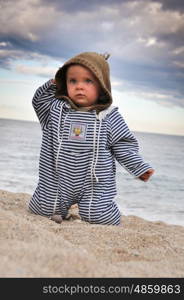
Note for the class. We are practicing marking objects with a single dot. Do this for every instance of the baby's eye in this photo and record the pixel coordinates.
(72, 80)
(89, 80)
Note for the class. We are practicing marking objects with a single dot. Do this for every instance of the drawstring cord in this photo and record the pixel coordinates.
(97, 151)
(60, 140)
(58, 151)
(94, 161)
(59, 122)
(94, 146)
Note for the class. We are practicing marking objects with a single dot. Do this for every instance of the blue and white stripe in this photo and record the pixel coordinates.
(81, 171)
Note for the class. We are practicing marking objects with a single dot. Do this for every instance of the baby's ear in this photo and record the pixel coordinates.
(106, 55)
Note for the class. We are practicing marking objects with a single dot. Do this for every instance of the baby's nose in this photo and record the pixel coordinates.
(79, 85)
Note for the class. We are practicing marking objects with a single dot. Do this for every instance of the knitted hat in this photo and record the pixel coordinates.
(98, 65)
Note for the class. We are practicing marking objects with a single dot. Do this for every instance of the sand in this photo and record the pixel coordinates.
(34, 246)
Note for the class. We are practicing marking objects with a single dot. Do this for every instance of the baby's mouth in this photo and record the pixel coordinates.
(80, 95)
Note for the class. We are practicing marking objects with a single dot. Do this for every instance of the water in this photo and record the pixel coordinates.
(160, 199)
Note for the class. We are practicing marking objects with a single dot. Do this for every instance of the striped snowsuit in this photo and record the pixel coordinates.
(77, 159)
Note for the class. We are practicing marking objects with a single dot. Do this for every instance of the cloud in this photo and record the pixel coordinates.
(73, 6)
(43, 71)
(145, 38)
(176, 5)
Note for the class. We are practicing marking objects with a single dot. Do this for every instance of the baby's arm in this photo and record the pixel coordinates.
(126, 149)
(42, 101)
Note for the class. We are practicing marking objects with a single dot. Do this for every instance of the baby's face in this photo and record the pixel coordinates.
(82, 86)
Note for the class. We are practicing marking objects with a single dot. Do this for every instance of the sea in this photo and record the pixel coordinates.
(159, 199)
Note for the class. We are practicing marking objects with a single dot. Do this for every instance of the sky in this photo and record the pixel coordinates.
(145, 39)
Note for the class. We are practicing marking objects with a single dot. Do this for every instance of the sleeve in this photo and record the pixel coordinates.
(125, 146)
(42, 101)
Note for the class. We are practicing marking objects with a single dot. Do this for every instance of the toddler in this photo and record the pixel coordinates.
(83, 135)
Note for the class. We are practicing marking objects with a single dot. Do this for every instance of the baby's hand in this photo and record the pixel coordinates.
(53, 81)
(146, 175)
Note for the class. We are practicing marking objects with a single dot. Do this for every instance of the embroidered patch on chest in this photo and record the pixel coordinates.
(78, 131)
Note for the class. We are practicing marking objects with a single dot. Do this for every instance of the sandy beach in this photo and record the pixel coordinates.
(34, 246)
